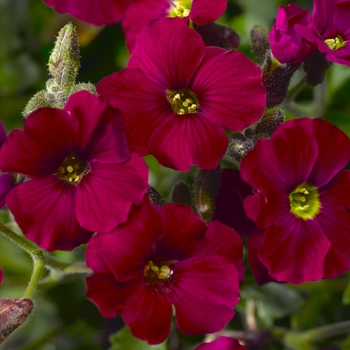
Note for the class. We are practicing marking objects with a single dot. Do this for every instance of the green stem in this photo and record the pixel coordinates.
(34, 251)
(294, 91)
(329, 330)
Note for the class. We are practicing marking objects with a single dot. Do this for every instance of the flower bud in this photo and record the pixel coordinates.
(155, 197)
(205, 188)
(181, 194)
(64, 61)
(315, 68)
(12, 314)
(268, 123)
(259, 42)
(240, 145)
(276, 78)
(218, 35)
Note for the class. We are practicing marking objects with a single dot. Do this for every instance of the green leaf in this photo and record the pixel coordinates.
(125, 340)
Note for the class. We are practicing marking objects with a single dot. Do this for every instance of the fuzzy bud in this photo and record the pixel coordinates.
(239, 145)
(276, 78)
(268, 123)
(218, 35)
(12, 314)
(64, 61)
(315, 68)
(181, 194)
(155, 197)
(205, 187)
(259, 42)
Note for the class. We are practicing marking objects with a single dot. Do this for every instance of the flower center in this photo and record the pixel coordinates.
(157, 274)
(183, 101)
(72, 169)
(180, 8)
(335, 43)
(305, 202)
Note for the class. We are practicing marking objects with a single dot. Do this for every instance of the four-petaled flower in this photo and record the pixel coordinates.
(302, 200)
(162, 257)
(83, 177)
(177, 95)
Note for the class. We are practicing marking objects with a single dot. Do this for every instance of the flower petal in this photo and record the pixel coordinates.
(106, 194)
(207, 11)
(143, 104)
(188, 139)
(45, 211)
(40, 148)
(98, 129)
(148, 314)
(294, 250)
(203, 287)
(168, 52)
(229, 89)
(7, 182)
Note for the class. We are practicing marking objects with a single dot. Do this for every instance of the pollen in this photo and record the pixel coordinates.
(183, 101)
(72, 169)
(305, 202)
(180, 8)
(335, 43)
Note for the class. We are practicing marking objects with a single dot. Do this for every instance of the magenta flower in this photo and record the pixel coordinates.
(142, 12)
(155, 260)
(331, 29)
(1, 275)
(96, 12)
(83, 177)
(7, 181)
(176, 96)
(303, 200)
(222, 343)
(286, 44)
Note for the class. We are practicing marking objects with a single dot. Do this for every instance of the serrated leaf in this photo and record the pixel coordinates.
(125, 340)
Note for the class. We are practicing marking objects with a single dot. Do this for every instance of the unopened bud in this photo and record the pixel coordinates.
(205, 187)
(181, 194)
(64, 61)
(259, 42)
(218, 35)
(84, 86)
(12, 314)
(315, 68)
(239, 145)
(39, 100)
(276, 77)
(155, 197)
(268, 123)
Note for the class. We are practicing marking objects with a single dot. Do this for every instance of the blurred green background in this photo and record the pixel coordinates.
(63, 319)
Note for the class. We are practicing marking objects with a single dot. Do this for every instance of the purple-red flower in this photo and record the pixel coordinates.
(7, 181)
(96, 12)
(162, 257)
(83, 177)
(142, 12)
(302, 200)
(286, 44)
(176, 95)
(330, 29)
(222, 343)
(1, 275)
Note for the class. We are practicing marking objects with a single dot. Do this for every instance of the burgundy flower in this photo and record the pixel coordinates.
(177, 94)
(303, 200)
(331, 29)
(142, 12)
(222, 343)
(96, 12)
(83, 177)
(162, 257)
(230, 211)
(286, 44)
(7, 181)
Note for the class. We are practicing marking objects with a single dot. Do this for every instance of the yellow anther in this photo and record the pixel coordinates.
(335, 43)
(154, 268)
(70, 169)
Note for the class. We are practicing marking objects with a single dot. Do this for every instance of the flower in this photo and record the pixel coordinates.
(1, 275)
(177, 94)
(230, 211)
(142, 12)
(83, 177)
(302, 200)
(7, 181)
(155, 260)
(287, 45)
(222, 343)
(330, 29)
(96, 12)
